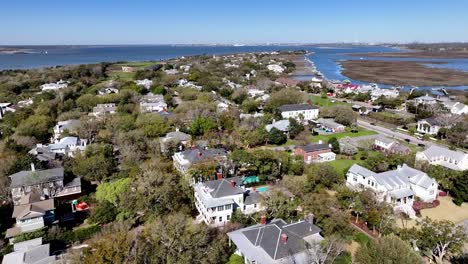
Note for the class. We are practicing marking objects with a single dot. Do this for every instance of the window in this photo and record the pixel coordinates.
(363, 177)
(245, 207)
(220, 208)
(368, 182)
(431, 192)
(228, 217)
(220, 218)
(227, 207)
(354, 178)
(255, 205)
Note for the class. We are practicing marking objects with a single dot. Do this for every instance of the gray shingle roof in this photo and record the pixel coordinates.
(28, 178)
(268, 237)
(435, 151)
(181, 136)
(314, 147)
(222, 188)
(297, 107)
(282, 125)
(252, 198)
(199, 154)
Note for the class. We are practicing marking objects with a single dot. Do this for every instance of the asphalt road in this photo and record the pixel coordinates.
(392, 133)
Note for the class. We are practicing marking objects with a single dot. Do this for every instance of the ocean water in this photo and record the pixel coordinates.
(326, 59)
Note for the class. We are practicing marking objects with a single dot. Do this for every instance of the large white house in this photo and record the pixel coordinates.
(397, 187)
(435, 155)
(185, 159)
(426, 99)
(153, 103)
(277, 242)
(144, 83)
(54, 86)
(217, 200)
(300, 112)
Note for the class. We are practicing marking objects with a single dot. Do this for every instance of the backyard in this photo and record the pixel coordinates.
(447, 210)
(347, 133)
(324, 102)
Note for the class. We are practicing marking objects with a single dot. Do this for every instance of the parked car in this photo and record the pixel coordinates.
(421, 145)
(407, 140)
(372, 124)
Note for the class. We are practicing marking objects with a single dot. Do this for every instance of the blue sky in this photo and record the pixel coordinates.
(238, 21)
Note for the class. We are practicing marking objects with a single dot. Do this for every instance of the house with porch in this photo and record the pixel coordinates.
(315, 152)
(185, 159)
(451, 159)
(300, 112)
(425, 100)
(276, 242)
(104, 109)
(47, 183)
(397, 187)
(31, 214)
(390, 146)
(67, 146)
(217, 200)
(153, 103)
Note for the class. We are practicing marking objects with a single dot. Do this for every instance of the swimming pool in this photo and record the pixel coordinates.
(262, 189)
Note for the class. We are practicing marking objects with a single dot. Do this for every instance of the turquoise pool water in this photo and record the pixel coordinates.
(262, 189)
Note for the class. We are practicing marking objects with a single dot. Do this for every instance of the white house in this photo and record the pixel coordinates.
(217, 200)
(276, 242)
(6, 107)
(456, 108)
(436, 155)
(108, 90)
(145, 83)
(281, 125)
(429, 126)
(153, 103)
(300, 112)
(103, 109)
(275, 68)
(426, 99)
(68, 146)
(70, 125)
(24, 103)
(397, 187)
(387, 93)
(54, 86)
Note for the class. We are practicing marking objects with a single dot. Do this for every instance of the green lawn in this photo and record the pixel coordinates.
(324, 102)
(342, 163)
(348, 133)
(124, 76)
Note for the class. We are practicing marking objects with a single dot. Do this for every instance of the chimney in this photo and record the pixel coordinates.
(193, 147)
(320, 142)
(177, 129)
(330, 145)
(199, 154)
(263, 219)
(33, 168)
(233, 183)
(284, 238)
(219, 175)
(310, 218)
(254, 189)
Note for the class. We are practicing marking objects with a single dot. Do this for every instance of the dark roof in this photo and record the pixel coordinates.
(28, 178)
(252, 198)
(154, 67)
(223, 187)
(297, 107)
(268, 237)
(314, 147)
(198, 154)
(432, 121)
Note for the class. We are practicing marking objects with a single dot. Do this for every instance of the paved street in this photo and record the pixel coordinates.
(392, 133)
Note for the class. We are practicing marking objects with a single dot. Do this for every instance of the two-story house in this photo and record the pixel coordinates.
(185, 159)
(47, 183)
(104, 109)
(389, 146)
(300, 112)
(153, 103)
(276, 242)
(425, 100)
(181, 139)
(31, 214)
(436, 155)
(315, 153)
(68, 146)
(397, 187)
(217, 200)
